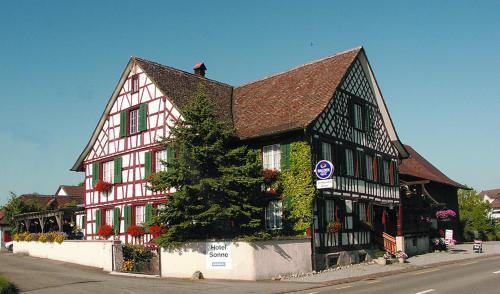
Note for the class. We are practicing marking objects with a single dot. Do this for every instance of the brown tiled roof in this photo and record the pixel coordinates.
(289, 100)
(495, 203)
(493, 193)
(73, 190)
(418, 166)
(181, 87)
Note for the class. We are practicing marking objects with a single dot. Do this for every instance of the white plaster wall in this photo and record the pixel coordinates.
(250, 261)
(89, 253)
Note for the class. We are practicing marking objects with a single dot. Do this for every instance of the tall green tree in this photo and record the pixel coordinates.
(217, 180)
(474, 214)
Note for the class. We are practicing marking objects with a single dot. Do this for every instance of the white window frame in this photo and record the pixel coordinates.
(108, 171)
(133, 121)
(326, 151)
(109, 216)
(271, 157)
(274, 215)
(160, 155)
(140, 216)
(134, 84)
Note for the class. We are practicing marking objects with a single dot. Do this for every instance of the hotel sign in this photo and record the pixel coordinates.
(219, 255)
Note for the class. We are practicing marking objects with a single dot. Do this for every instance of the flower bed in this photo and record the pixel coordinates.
(137, 258)
(50, 237)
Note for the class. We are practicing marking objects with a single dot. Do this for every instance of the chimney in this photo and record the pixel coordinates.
(200, 69)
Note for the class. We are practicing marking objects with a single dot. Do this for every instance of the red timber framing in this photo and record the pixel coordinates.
(161, 117)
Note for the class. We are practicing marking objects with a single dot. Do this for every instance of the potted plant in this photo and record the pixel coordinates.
(445, 214)
(334, 226)
(401, 256)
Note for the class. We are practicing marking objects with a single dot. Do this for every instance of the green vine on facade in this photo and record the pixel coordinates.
(297, 187)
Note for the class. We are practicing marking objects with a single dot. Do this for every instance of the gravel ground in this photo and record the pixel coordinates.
(457, 252)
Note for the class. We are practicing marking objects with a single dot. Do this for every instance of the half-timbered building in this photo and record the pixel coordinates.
(333, 104)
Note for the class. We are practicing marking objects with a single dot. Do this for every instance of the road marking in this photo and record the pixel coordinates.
(467, 263)
(313, 293)
(345, 287)
(426, 291)
(373, 281)
(428, 271)
(497, 272)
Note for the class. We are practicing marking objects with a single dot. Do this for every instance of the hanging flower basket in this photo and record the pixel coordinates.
(334, 227)
(103, 186)
(445, 214)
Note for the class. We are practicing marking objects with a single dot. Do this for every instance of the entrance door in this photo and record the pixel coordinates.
(6, 236)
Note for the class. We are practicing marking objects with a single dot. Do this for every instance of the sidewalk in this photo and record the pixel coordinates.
(456, 253)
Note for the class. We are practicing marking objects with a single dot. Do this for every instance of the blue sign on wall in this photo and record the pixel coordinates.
(324, 169)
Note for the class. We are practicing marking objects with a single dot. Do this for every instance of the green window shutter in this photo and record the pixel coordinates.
(143, 117)
(123, 124)
(285, 156)
(95, 173)
(98, 220)
(116, 220)
(148, 156)
(128, 217)
(117, 170)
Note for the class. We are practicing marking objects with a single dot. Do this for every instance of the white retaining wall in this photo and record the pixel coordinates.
(95, 253)
(248, 260)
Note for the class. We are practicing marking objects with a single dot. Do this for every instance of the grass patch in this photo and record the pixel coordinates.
(7, 287)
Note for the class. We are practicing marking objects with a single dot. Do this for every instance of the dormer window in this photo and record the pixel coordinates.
(134, 84)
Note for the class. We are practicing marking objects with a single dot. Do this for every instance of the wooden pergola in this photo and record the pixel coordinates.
(59, 215)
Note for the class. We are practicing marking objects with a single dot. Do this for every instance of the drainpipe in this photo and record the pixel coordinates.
(313, 230)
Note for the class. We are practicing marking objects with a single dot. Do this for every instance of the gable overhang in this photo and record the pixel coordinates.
(78, 165)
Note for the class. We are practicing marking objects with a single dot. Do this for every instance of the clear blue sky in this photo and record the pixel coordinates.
(437, 62)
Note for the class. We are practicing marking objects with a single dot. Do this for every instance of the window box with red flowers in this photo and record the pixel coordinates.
(105, 231)
(103, 186)
(135, 231)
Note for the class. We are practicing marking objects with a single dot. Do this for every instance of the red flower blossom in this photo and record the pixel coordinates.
(156, 231)
(102, 186)
(135, 231)
(105, 231)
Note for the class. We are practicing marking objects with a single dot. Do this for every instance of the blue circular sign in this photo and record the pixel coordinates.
(323, 169)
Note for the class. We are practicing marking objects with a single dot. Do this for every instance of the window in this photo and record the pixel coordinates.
(134, 84)
(362, 211)
(109, 217)
(160, 157)
(107, 172)
(358, 116)
(326, 151)
(385, 165)
(369, 167)
(349, 159)
(139, 215)
(271, 157)
(329, 211)
(274, 214)
(134, 121)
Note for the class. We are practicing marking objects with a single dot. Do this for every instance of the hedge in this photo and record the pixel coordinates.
(7, 287)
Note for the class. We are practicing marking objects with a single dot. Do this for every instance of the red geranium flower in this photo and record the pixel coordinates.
(105, 231)
(135, 231)
(156, 230)
(102, 186)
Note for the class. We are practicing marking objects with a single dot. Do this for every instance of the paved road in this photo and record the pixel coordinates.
(35, 275)
(480, 276)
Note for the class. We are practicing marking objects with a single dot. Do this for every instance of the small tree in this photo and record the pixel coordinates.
(17, 206)
(217, 180)
(474, 214)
